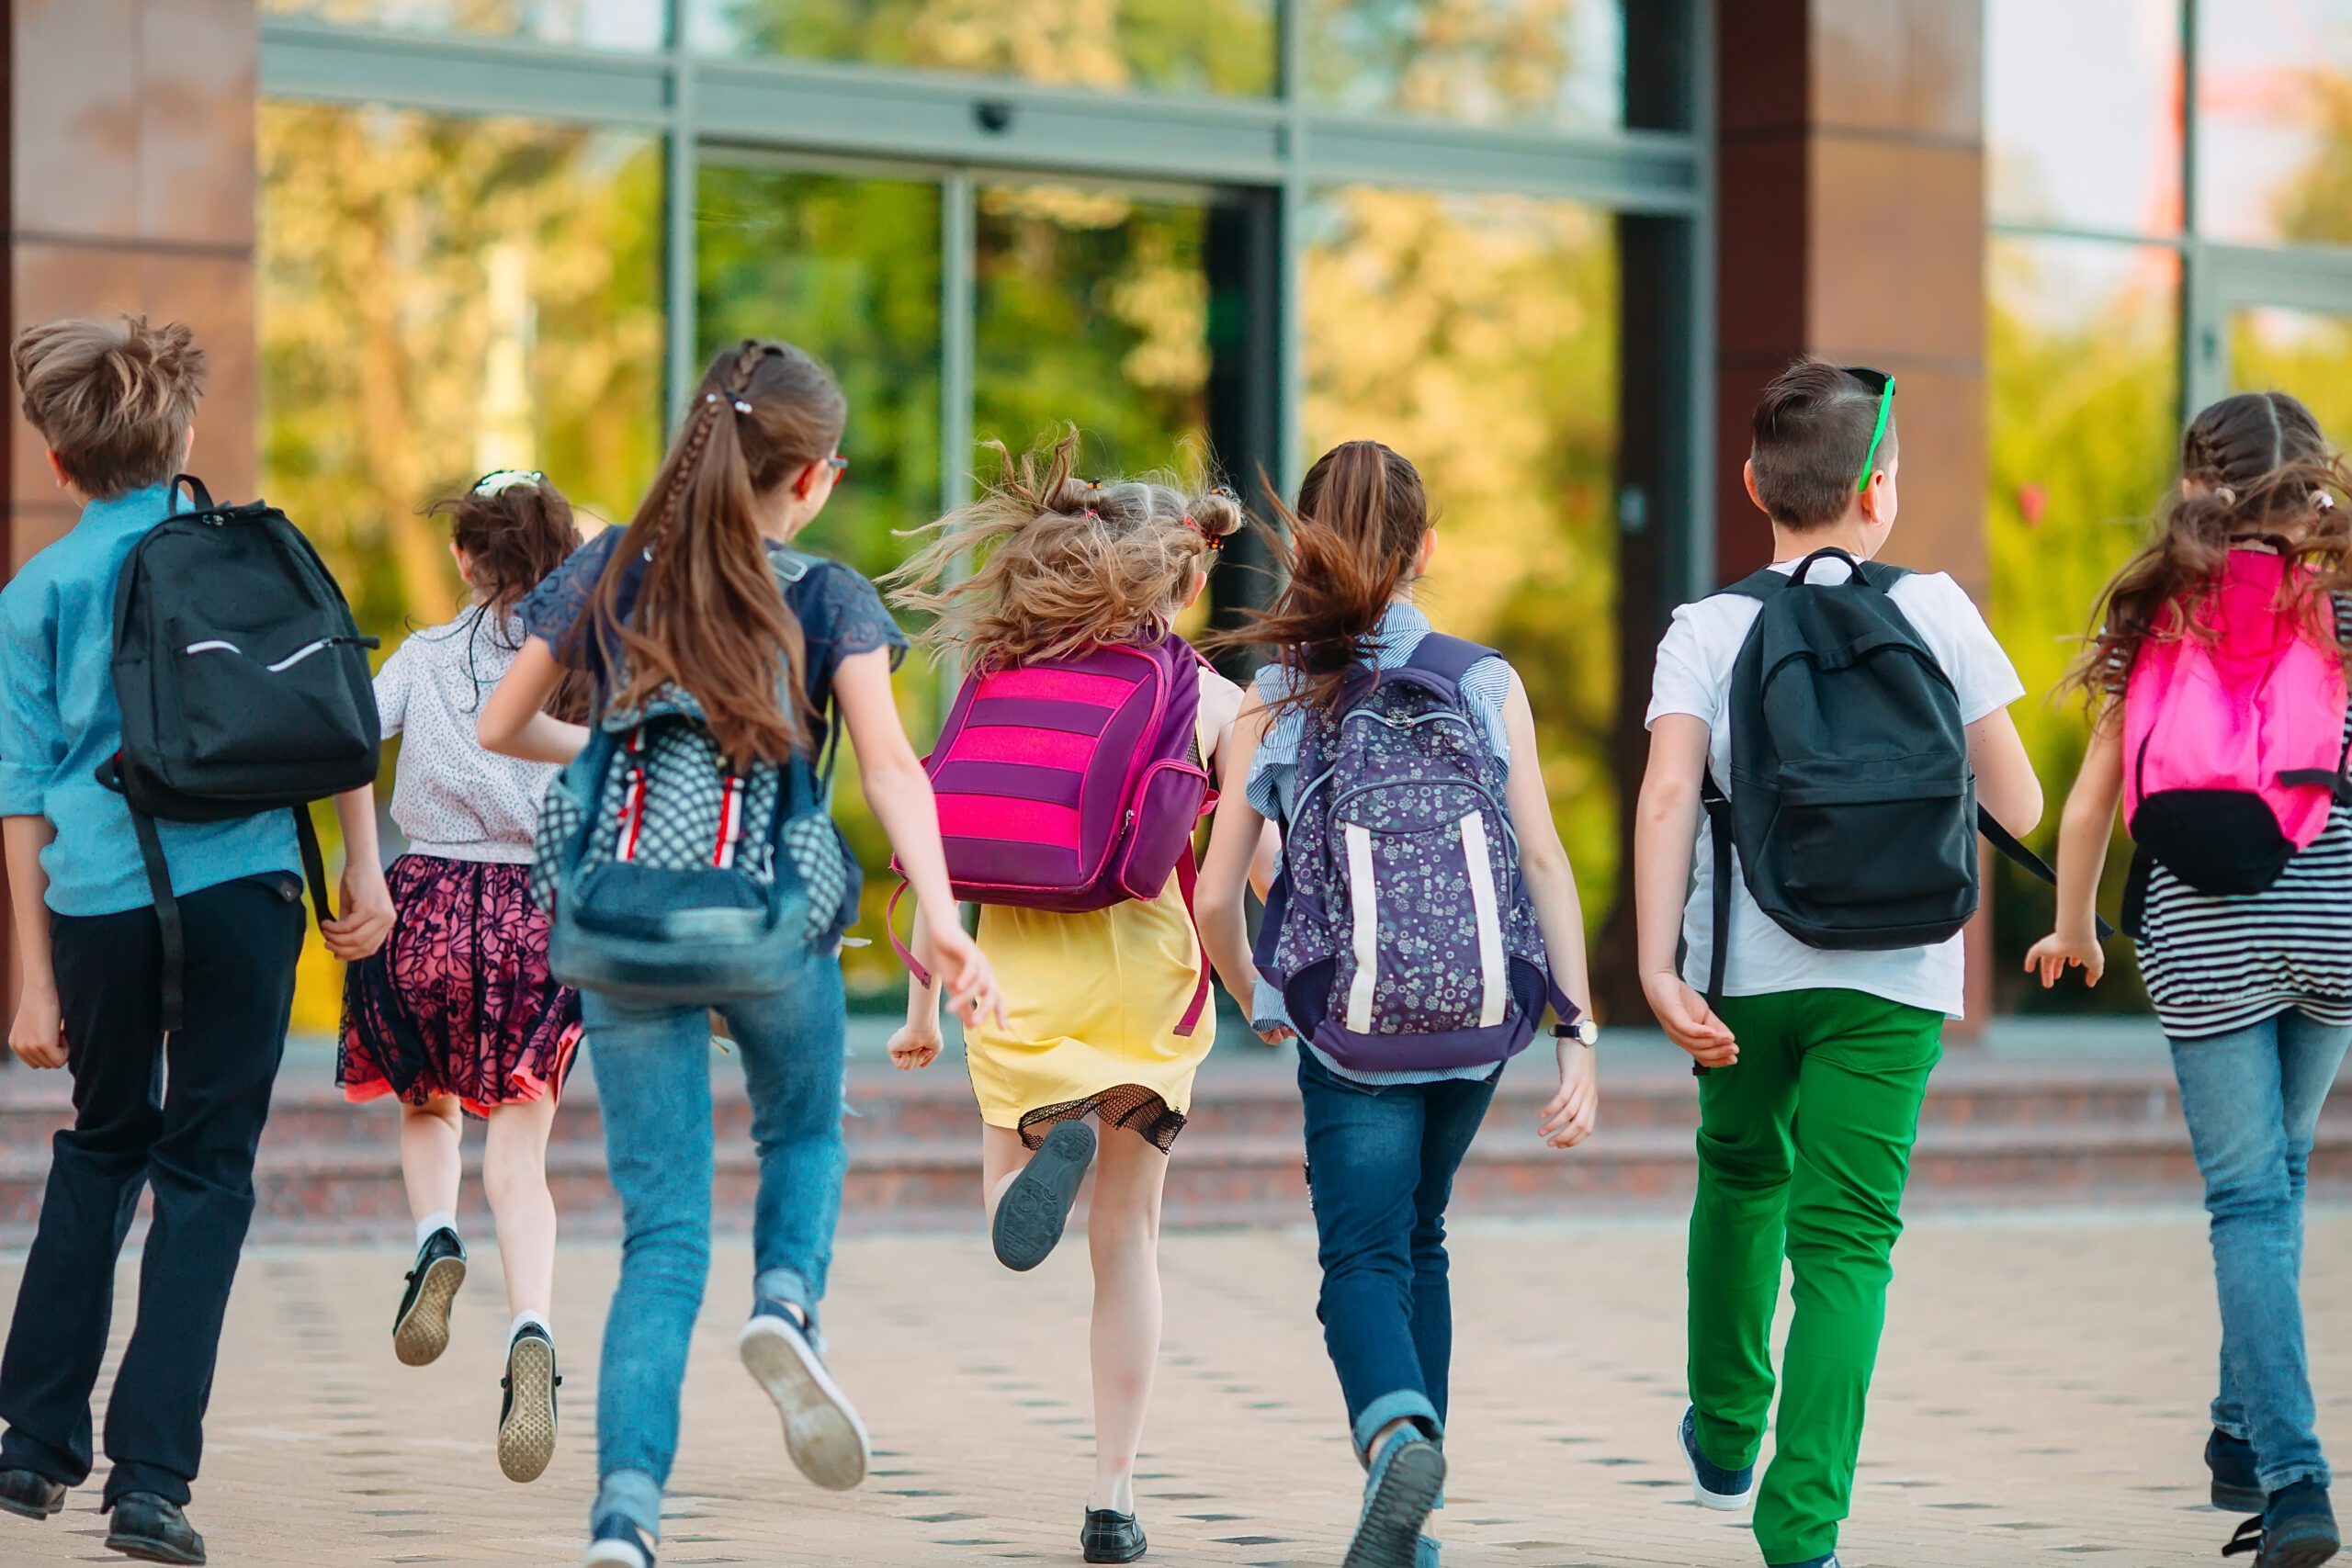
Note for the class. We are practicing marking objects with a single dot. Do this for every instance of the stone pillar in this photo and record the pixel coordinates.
(1851, 225)
(129, 189)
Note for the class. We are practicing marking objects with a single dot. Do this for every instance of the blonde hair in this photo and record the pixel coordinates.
(114, 399)
(1059, 563)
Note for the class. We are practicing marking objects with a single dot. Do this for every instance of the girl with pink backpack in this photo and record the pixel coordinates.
(1071, 774)
(2216, 677)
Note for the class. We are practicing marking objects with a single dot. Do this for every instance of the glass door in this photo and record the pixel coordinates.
(2276, 320)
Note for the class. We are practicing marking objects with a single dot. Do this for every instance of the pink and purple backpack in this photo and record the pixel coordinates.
(1074, 783)
(2233, 735)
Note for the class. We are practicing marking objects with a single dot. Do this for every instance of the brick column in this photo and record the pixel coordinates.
(129, 189)
(1851, 225)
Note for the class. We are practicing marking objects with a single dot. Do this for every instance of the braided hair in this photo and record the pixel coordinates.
(708, 615)
(2255, 468)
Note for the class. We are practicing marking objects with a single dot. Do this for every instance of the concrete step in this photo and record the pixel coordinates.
(1993, 1132)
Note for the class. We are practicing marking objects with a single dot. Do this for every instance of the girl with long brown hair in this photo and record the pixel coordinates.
(703, 594)
(1059, 566)
(1383, 1143)
(2253, 988)
(457, 1012)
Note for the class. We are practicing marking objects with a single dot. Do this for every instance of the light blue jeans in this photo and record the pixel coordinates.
(653, 1081)
(2253, 1098)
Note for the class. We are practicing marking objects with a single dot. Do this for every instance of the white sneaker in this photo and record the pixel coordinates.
(821, 1431)
(1712, 1487)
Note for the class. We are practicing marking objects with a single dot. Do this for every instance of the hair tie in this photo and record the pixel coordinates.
(2323, 501)
(2226, 495)
(1214, 541)
(1090, 512)
(743, 407)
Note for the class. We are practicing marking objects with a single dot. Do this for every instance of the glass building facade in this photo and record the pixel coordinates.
(1216, 235)
(2164, 229)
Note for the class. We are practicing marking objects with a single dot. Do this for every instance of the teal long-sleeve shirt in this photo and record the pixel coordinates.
(59, 720)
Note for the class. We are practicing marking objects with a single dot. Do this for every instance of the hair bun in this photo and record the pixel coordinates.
(1217, 513)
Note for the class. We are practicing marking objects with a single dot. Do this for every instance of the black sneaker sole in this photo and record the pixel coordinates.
(2240, 1499)
(1031, 1215)
(527, 1437)
(423, 1332)
(2309, 1553)
(1390, 1535)
(145, 1549)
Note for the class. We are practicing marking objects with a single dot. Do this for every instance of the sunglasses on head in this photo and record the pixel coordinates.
(838, 464)
(1882, 383)
(498, 481)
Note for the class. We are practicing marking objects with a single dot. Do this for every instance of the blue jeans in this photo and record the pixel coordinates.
(1380, 1164)
(2252, 1098)
(653, 1078)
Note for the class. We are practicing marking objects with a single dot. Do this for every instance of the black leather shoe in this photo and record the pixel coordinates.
(29, 1495)
(421, 1331)
(1111, 1536)
(526, 1416)
(2236, 1488)
(152, 1530)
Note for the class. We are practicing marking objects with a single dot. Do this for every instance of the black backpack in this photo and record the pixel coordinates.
(244, 684)
(1855, 809)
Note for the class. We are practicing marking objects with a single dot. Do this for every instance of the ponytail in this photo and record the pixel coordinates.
(709, 616)
(1354, 544)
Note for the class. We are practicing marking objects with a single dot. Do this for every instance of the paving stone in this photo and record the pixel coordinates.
(2041, 1398)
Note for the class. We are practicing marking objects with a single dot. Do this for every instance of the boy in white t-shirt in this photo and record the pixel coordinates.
(1849, 1036)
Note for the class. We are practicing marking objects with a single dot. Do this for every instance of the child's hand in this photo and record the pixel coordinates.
(1569, 1120)
(2059, 950)
(37, 1037)
(366, 914)
(1688, 1021)
(916, 1044)
(965, 970)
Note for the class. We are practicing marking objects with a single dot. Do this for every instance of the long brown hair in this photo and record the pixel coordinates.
(2253, 468)
(515, 528)
(1354, 542)
(709, 616)
(1058, 563)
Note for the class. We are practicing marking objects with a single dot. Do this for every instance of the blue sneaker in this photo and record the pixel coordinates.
(1713, 1486)
(1407, 1477)
(2296, 1529)
(1829, 1561)
(617, 1543)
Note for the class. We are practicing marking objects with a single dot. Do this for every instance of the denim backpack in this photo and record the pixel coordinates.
(672, 879)
(1398, 931)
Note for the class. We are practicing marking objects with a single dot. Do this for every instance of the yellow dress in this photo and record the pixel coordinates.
(1093, 1001)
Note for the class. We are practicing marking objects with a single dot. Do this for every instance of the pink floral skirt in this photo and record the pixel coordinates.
(460, 1000)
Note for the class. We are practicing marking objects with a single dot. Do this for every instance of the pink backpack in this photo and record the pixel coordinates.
(2233, 743)
(1073, 784)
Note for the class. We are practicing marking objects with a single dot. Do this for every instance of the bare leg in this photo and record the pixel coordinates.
(1002, 1155)
(1122, 1235)
(515, 1178)
(430, 1163)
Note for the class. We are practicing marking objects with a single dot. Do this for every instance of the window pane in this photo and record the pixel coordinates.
(1092, 305)
(1172, 46)
(848, 268)
(2306, 353)
(2273, 128)
(2083, 371)
(1491, 61)
(439, 298)
(1478, 337)
(596, 24)
(2087, 149)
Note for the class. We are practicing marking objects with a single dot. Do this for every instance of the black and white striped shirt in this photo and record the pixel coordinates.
(2213, 964)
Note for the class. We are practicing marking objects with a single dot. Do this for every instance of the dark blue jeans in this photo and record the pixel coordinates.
(1380, 1164)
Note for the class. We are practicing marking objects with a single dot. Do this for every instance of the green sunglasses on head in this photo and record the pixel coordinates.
(1882, 383)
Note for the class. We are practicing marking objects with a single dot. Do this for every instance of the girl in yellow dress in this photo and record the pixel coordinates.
(1058, 564)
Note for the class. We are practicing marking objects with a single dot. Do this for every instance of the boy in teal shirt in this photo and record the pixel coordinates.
(1819, 1060)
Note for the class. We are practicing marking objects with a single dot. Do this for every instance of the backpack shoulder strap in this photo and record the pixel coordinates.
(1761, 584)
(1448, 658)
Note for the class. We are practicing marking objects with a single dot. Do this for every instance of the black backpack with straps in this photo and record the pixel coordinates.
(245, 688)
(1854, 806)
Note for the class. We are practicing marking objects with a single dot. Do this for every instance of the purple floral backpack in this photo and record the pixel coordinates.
(1398, 931)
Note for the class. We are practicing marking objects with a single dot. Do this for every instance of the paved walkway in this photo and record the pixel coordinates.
(2040, 1400)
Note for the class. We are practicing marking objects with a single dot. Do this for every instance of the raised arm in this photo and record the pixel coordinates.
(515, 721)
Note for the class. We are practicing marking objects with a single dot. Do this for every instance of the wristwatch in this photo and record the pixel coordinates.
(1583, 1031)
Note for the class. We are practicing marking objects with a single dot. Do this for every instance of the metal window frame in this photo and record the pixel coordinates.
(934, 120)
(2217, 277)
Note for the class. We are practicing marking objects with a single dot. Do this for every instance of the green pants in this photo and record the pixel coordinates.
(1802, 1151)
